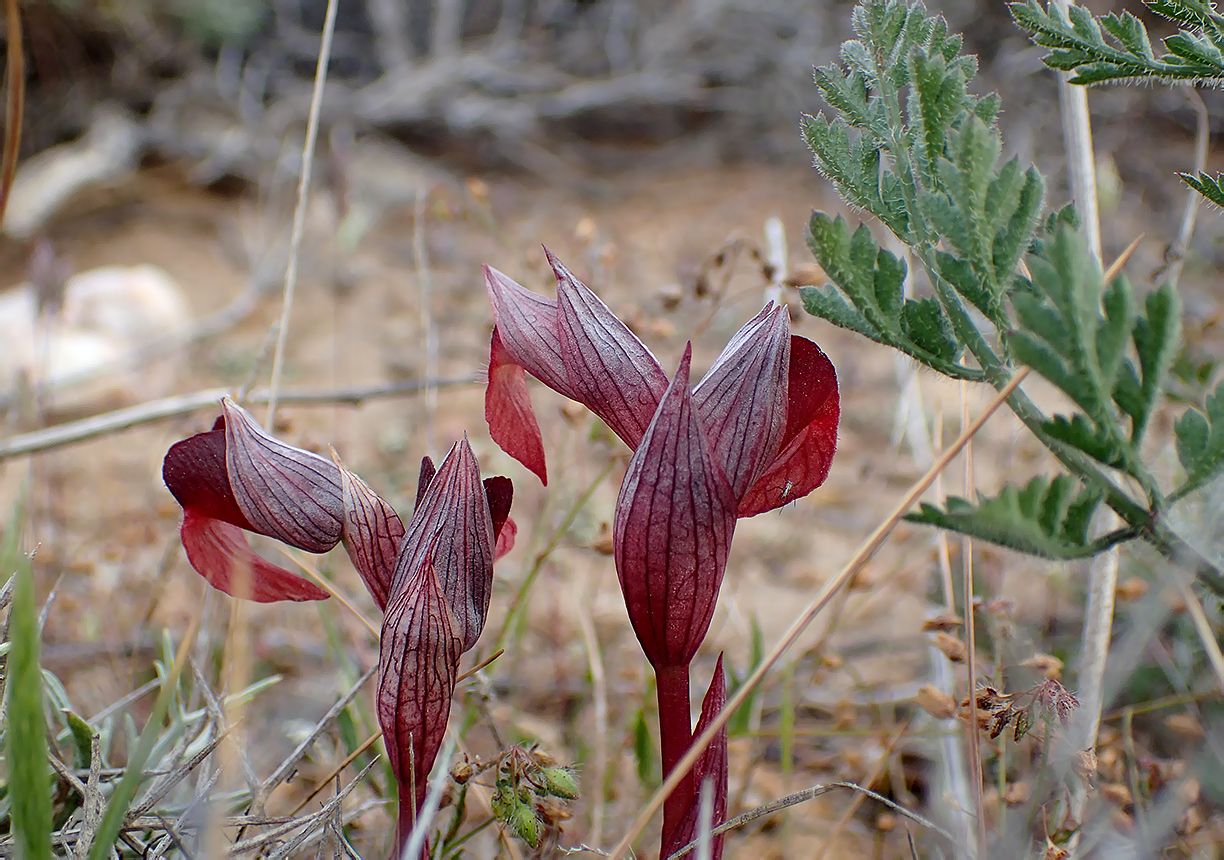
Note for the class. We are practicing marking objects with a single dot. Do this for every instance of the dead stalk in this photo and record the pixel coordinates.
(184, 404)
(975, 750)
(865, 551)
(299, 210)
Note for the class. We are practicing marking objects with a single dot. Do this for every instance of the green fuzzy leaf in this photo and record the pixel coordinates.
(1211, 187)
(1079, 432)
(1014, 236)
(1128, 30)
(1114, 331)
(1045, 517)
(1118, 48)
(926, 325)
(828, 304)
(969, 284)
(936, 99)
(1200, 442)
(1157, 337)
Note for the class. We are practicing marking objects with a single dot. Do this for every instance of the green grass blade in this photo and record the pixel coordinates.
(29, 772)
(121, 800)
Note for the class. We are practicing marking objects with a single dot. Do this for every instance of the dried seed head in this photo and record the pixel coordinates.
(1046, 664)
(954, 649)
(1000, 721)
(1085, 766)
(1053, 852)
(944, 621)
(1132, 589)
(935, 702)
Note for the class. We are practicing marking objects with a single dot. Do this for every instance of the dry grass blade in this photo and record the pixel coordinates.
(14, 102)
(803, 797)
(299, 210)
(288, 765)
(336, 771)
(262, 840)
(868, 548)
(184, 404)
(971, 730)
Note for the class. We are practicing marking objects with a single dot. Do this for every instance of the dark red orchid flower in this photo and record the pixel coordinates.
(758, 431)
(769, 405)
(440, 593)
(433, 579)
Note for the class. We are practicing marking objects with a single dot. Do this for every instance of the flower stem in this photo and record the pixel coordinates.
(676, 734)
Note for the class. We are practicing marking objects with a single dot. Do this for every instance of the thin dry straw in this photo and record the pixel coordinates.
(185, 404)
(860, 557)
(299, 210)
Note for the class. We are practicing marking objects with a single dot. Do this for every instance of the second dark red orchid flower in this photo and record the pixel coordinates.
(758, 431)
(433, 578)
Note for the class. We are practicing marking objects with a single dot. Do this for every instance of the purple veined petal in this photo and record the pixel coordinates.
(220, 553)
(527, 322)
(372, 533)
(512, 422)
(418, 667)
(610, 370)
(452, 528)
(285, 492)
(674, 519)
(710, 769)
(426, 475)
(742, 399)
(810, 441)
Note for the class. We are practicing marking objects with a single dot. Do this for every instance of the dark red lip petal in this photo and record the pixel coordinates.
(220, 553)
(194, 472)
(811, 433)
(512, 421)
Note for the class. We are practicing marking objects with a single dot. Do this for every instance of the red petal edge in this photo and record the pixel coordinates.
(810, 441)
(220, 553)
(512, 422)
(499, 491)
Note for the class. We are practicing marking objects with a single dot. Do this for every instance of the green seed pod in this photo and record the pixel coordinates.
(503, 803)
(560, 782)
(524, 822)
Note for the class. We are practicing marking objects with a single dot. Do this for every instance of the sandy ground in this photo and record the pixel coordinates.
(108, 527)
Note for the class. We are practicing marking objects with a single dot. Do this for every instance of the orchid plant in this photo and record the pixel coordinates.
(432, 577)
(758, 431)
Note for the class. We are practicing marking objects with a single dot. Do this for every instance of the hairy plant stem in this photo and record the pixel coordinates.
(675, 736)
